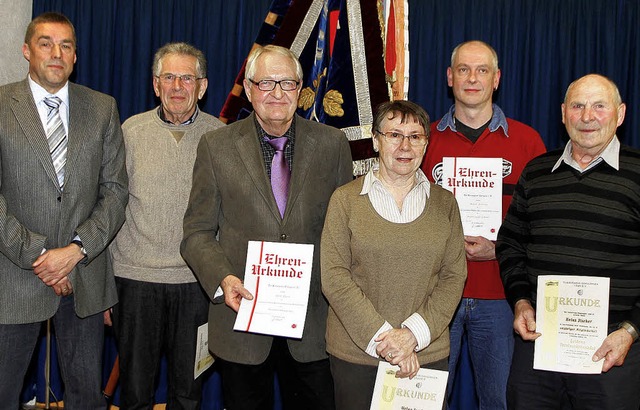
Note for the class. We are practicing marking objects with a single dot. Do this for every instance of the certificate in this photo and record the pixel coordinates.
(572, 315)
(477, 185)
(204, 360)
(425, 391)
(278, 275)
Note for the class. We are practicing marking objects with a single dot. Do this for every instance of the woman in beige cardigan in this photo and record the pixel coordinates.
(393, 262)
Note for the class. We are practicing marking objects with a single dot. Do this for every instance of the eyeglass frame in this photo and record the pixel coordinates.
(418, 143)
(257, 84)
(163, 78)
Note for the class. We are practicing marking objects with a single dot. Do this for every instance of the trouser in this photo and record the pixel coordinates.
(529, 389)
(80, 343)
(152, 319)
(488, 325)
(306, 386)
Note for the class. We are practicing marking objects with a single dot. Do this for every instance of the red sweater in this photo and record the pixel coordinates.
(522, 144)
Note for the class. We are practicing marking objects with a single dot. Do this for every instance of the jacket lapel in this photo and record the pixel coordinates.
(26, 113)
(304, 149)
(79, 110)
(250, 154)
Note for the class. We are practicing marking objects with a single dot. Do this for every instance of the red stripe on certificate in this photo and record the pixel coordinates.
(455, 172)
(255, 294)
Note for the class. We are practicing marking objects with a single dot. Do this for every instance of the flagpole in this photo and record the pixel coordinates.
(47, 367)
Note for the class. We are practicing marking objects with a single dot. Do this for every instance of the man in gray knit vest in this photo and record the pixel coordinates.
(161, 303)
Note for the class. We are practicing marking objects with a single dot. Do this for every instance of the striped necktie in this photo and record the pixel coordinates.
(56, 137)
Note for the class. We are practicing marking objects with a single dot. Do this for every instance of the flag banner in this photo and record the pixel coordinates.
(396, 48)
(340, 48)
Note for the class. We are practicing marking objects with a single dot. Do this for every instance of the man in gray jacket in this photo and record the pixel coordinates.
(63, 190)
(236, 198)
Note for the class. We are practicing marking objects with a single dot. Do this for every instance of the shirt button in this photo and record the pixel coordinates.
(283, 237)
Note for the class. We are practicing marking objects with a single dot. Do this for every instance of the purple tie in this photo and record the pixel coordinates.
(280, 173)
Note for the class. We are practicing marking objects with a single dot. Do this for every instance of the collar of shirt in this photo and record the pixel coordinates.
(39, 94)
(498, 120)
(610, 155)
(268, 151)
(262, 134)
(191, 119)
(384, 204)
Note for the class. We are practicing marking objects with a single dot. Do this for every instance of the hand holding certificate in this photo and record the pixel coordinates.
(279, 277)
(572, 315)
(426, 391)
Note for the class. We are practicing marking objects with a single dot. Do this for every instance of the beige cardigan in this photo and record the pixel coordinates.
(375, 270)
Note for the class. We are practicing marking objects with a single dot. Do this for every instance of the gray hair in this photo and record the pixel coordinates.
(494, 55)
(250, 69)
(180, 49)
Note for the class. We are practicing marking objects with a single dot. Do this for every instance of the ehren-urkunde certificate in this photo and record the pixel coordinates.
(278, 275)
(477, 185)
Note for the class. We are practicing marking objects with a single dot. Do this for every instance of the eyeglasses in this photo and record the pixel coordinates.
(395, 138)
(270, 85)
(186, 79)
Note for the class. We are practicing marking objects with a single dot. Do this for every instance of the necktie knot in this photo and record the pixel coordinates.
(278, 143)
(53, 102)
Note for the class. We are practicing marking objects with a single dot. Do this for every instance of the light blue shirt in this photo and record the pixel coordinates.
(498, 120)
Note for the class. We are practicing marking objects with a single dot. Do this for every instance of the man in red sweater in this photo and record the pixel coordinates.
(474, 127)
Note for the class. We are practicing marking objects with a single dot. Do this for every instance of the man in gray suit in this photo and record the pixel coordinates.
(233, 201)
(63, 189)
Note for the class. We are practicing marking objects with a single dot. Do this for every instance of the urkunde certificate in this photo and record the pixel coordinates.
(477, 185)
(572, 315)
(278, 275)
(426, 391)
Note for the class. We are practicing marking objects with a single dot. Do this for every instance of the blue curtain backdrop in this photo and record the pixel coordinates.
(542, 45)
(117, 40)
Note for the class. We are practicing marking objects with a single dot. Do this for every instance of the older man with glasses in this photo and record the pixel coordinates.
(161, 303)
(268, 177)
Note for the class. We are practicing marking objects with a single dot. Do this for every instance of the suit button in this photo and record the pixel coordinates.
(283, 237)
(59, 199)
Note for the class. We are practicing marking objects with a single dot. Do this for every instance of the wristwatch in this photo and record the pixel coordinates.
(82, 249)
(626, 325)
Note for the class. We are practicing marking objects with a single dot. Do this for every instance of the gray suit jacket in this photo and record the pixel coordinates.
(36, 214)
(231, 196)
